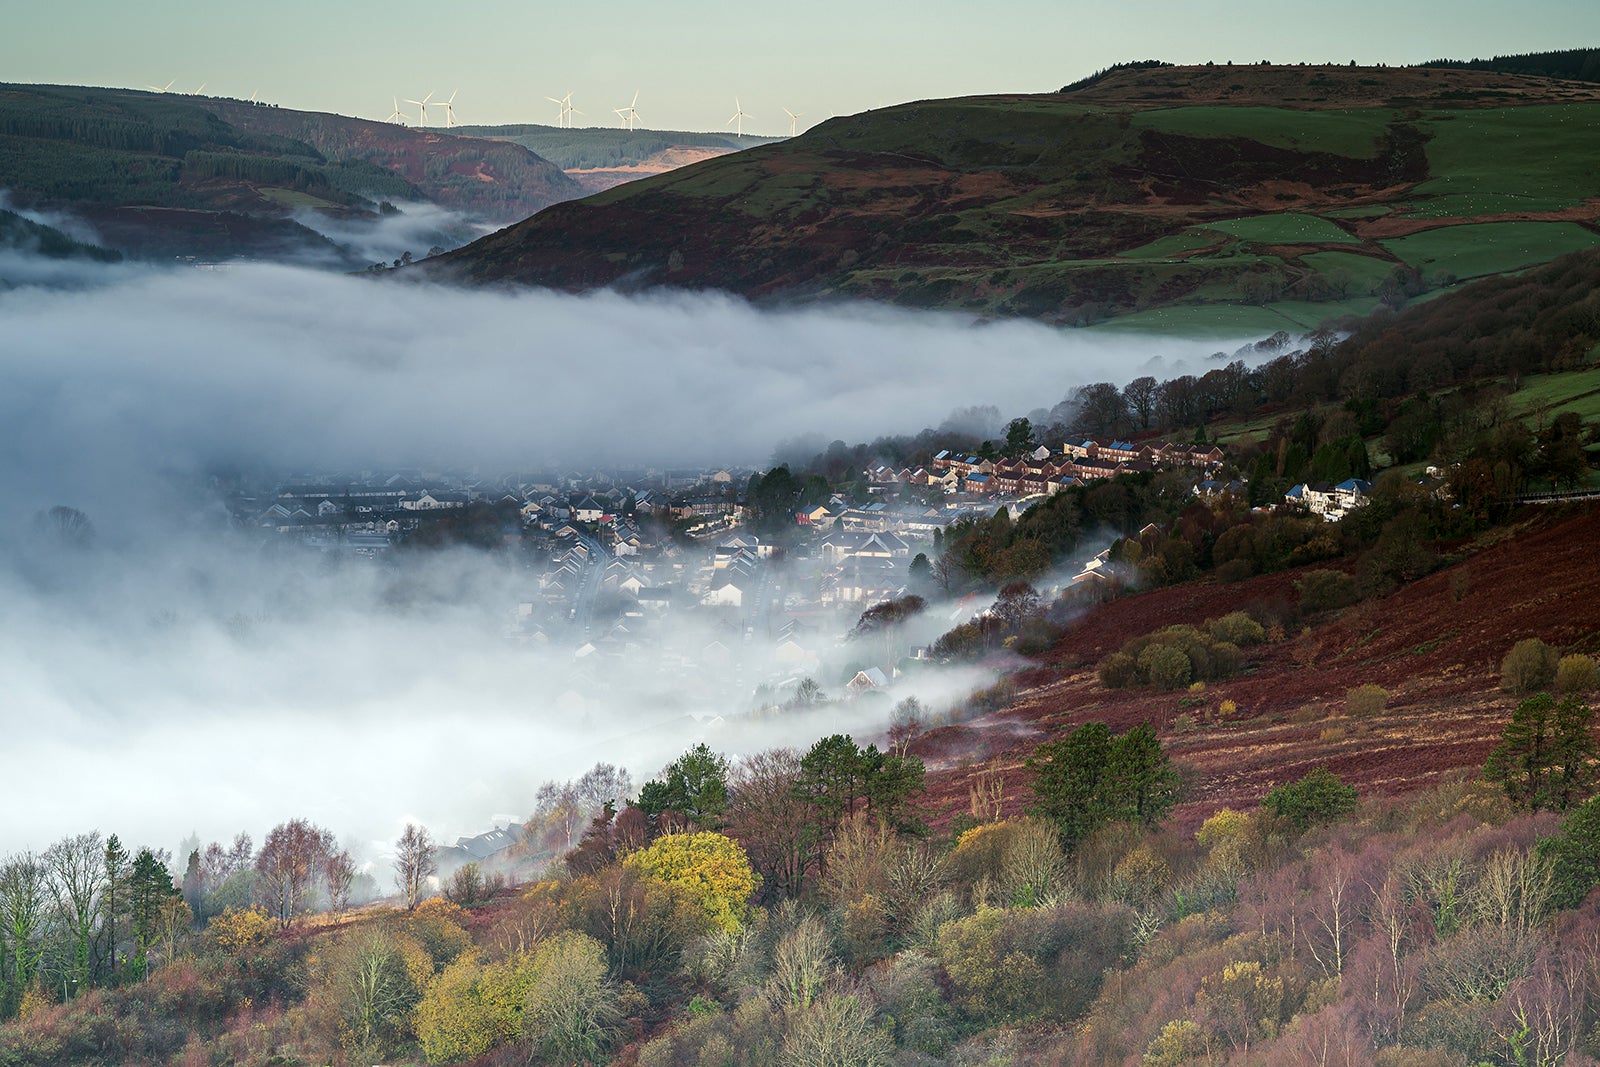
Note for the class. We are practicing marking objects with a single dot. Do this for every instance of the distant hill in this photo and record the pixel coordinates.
(162, 174)
(1233, 199)
(599, 158)
(585, 148)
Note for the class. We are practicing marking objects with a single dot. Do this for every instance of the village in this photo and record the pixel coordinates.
(671, 570)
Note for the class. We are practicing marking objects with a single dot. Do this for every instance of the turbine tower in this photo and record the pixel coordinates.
(450, 111)
(738, 118)
(793, 118)
(422, 109)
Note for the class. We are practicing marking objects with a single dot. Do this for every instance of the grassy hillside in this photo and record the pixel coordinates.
(164, 174)
(1234, 198)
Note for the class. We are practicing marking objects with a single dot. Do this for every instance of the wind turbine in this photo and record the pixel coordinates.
(255, 99)
(163, 88)
(564, 103)
(200, 90)
(394, 116)
(738, 117)
(630, 114)
(450, 111)
(793, 118)
(422, 109)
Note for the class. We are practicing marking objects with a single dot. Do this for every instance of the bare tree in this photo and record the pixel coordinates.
(602, 783)
(1102, 410)
(414, 863)
(558, 808)
(775, 829)
(338, 874)
(291, 860)
(77, 875)
(1140, 397)
(905, 724)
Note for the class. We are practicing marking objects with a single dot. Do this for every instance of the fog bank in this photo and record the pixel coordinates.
(185, 675)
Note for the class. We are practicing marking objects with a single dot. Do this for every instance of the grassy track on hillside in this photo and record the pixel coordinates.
(1171, 247)
(1472, 205)
(1490, 247)
(1345, 133)
(1286, 229)
(1367, 211)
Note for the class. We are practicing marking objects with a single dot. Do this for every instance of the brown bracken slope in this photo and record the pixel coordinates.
(1435, 645)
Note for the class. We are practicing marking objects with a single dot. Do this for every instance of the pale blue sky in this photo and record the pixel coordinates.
(689, 58)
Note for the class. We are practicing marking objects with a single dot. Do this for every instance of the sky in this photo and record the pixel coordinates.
(688, 60)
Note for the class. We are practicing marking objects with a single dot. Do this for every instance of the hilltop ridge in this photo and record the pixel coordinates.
(1239, 199)
(160, 174)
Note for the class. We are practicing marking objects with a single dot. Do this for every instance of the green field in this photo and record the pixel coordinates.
(1577, 391)
(1289, 228)
(1365, 272)
(1345, 133)
(1545, 151)
(1235, 321)
(1476, 249)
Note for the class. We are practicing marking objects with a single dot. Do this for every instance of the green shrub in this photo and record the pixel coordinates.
(1366, 701)
(1318, 797)
(1575, 674)
(1530, 666)
(1033, 963)
(1324, 590)
(1235, 570)
(1237, 628)
(1165, 665)
(1117, 670)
